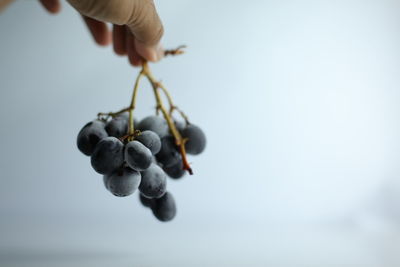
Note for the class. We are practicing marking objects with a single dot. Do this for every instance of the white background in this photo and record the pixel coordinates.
(299, 101)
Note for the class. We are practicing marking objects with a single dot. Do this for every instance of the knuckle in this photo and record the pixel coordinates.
(144, 22)
(84, 7)
(157, 34)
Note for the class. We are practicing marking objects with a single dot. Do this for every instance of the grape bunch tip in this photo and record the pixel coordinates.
(140, 155)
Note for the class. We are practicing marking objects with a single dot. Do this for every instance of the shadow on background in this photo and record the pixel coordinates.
(55, 258)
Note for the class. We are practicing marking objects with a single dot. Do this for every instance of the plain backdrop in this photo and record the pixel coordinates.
(299, 101)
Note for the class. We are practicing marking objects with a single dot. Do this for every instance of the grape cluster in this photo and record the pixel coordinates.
(142, 161)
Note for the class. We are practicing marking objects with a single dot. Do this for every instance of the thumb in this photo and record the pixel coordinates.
(140, 16)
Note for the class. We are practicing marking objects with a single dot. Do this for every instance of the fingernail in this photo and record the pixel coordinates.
(156, 52)
(160, 52)
(151, 53)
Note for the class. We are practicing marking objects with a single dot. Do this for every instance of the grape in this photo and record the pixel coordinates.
(155, 124)
(180, 125)
(123, 182)
(164, 208)
(141, 155)
(169, 154)
(137, 156)
(118, 126)
(150, 140)
(108, 155)
(175, 171)
(90, 135)
(196, 139)
(105, 181)
(147, 202)
(154, 182)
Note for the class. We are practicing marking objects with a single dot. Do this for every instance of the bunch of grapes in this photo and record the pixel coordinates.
(135, 155)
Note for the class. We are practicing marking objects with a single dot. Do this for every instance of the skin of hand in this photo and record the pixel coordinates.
(137, 28)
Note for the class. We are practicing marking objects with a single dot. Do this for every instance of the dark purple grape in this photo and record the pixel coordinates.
(147, 202)
(156, 124)
(137, 156)
(123, 182)
(196, 139)
(164, 208)
(105, 181)
(118, 126)
(180, 125)
(150, 140)
(154, 182)
(90, 135)
(169, 154)
(108, 155)
(175, 171)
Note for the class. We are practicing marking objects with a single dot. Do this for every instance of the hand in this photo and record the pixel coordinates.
(137, 29)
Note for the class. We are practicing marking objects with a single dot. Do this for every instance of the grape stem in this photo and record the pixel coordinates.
(131, 127)
(145, 71)
(172, 106)
(112, 114)
(179, 140)
(132, 106)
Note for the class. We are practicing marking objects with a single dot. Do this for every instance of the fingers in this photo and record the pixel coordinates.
(150, 52)
(147, 28)
(119, 39)
(99, 31)
(139, 15)
(53, 6)
(125, 44)
(145, 23)
(123, 40)
(133, 56)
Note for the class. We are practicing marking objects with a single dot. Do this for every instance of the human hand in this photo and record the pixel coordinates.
(137, 29)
